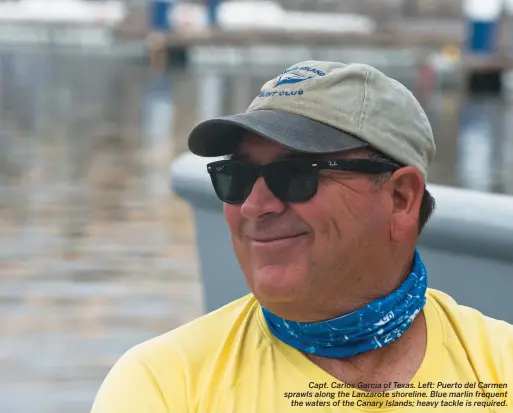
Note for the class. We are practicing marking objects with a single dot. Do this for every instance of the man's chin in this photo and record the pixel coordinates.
(276, 283)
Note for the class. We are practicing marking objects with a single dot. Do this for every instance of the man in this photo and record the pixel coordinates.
(325, 196)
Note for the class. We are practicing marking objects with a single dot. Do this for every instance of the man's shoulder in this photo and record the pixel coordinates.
(161, 371)
(483, 337)
(468, 316)
(202, 336)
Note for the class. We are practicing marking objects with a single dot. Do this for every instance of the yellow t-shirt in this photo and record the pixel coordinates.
(229, 362)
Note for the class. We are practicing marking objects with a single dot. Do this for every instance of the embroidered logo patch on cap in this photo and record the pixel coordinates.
(289, 78)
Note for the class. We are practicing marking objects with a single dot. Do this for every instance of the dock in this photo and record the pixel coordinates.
(408, 33)
(421, 35)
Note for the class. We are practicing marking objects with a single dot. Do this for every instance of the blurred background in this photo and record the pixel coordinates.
(96, 101)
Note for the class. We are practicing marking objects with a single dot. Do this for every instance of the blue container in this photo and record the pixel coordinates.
(482, 36)
(159, 15)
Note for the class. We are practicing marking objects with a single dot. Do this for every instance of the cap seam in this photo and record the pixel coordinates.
(364, 104)
(426, 142)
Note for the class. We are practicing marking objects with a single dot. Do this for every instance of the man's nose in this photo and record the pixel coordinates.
(261, 201)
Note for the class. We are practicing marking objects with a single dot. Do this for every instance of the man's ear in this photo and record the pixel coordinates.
(407, 189)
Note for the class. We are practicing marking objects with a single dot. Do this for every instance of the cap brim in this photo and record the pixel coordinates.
(221, 136)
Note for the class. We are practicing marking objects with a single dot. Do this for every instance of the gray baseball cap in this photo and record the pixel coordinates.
(326, 107)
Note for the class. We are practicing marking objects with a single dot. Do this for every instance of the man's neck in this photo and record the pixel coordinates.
(398, 361)
(316, 308)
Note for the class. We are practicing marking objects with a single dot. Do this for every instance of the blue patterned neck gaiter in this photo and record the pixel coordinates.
(379, 323)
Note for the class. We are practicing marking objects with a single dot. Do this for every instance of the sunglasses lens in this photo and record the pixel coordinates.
(292, 181)
(232, 182)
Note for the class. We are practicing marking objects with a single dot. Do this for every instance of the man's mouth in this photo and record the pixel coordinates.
(275, 238)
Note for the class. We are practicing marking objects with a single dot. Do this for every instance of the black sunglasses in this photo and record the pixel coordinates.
(290, 180)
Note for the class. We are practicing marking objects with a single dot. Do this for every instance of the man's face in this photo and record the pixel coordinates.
(314, 252)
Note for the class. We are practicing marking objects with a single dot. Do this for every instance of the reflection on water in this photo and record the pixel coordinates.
(96, 255)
